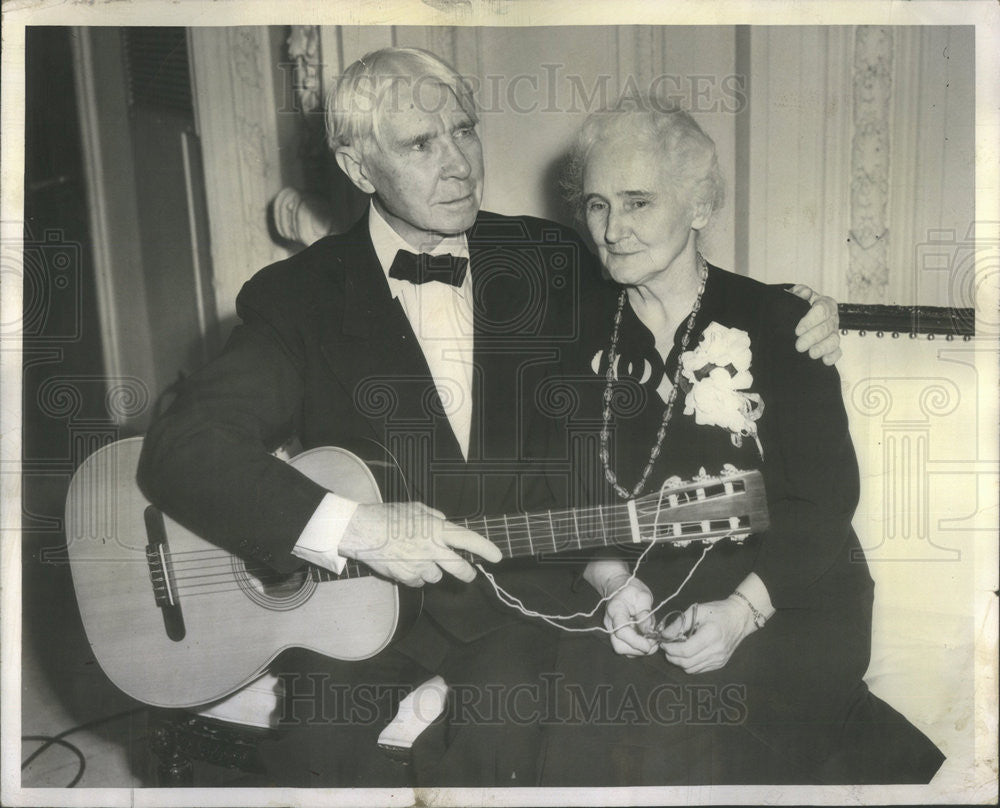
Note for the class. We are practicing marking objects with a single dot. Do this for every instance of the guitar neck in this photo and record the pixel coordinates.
(531, 534)
(708, 509)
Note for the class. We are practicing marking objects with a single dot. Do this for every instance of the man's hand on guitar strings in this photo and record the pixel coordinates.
(412, 543)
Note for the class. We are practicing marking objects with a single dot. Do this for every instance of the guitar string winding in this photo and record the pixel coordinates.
(514, 602)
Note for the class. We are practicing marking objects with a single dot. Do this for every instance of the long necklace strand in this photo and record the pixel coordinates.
(654, 453)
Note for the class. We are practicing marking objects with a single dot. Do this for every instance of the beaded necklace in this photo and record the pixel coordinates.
(654, 453)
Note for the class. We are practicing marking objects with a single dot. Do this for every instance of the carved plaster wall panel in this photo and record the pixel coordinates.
(236, 109)
(304, 50)
(860, 160)
(868, 273)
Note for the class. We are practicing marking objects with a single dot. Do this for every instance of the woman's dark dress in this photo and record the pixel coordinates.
(790, 706)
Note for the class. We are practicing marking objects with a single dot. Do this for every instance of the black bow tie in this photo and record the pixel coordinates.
(422, 268)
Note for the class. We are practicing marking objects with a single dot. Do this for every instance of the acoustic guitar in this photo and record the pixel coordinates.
(175, 621)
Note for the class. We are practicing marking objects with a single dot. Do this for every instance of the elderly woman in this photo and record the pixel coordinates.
(756, 673)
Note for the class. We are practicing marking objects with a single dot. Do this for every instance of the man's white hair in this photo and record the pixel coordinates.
(368, 87)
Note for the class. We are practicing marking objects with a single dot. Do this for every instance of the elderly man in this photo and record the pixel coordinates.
(409, 340)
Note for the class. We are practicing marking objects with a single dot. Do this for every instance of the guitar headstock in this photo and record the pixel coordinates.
(730, 505)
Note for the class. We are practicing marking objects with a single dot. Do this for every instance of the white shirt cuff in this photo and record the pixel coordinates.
(320, 539)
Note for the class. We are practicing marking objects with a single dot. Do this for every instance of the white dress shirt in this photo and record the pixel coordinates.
(441, 316)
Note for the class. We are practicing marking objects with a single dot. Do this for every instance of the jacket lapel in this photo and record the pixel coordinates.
(371, 336)
(503, 293)
(373, 352)
(495, 401)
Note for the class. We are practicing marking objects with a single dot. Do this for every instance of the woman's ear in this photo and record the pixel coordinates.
(351, 162)
(702, 213)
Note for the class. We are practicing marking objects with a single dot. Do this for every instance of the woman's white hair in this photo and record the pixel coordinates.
(644, 122)
(358, 100)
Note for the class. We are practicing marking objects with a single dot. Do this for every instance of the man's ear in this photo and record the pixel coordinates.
(352, 164)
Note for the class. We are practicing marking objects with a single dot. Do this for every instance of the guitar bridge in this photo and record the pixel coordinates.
(161, 575)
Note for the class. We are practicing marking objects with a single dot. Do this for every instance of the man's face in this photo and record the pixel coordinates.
(427, 168)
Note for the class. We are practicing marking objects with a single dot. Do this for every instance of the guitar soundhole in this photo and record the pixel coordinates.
(271, 589)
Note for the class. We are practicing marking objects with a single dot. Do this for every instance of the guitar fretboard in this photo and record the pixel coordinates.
(532, 534)
(712, 509)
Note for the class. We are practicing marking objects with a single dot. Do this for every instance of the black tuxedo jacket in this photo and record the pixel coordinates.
(326, 354)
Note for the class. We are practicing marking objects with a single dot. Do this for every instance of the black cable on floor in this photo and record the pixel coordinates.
(51, 741)
(57, 740)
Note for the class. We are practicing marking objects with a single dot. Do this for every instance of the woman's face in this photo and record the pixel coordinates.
(631, 204)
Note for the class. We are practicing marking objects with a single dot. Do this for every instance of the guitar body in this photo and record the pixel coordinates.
(228, 621)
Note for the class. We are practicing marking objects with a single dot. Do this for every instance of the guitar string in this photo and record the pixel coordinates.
(520, 535)
(616, 513)
(512, 601)
(227, 582)
(659, 513)
(644, 508)
(522, 542)
(525, 541)
(517, 533)
(506, 597)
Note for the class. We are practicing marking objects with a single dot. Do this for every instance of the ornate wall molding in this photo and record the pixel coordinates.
(909, 91)
(304, 50)
(859, 160)
(302, 218)
(868, 272)
(235, 106)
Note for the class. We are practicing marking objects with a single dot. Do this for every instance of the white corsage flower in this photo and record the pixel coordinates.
(716, 374)
(721, 347)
